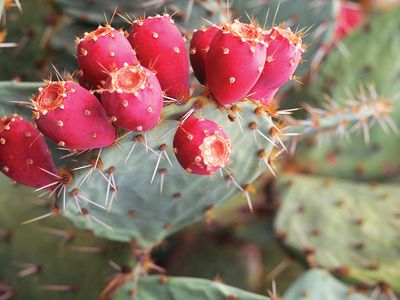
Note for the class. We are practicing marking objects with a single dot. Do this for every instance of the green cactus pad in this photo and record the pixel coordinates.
(377, 66)
(67, 258)
(171, 288)
(347, 227)
(141, 212)
(318, 284)
(318, 16)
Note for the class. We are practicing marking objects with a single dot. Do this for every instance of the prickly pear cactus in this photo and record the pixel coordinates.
(155, 197)
(40, 261)
(167, 190)
(316, 211)
(169, 288)
(318, 284)
(369, 154)
(141, 185)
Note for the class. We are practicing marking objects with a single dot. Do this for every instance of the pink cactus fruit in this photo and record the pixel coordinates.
(283, 56)
(235, 61)
(161, 48)
(350, 17)
(133, 98)
(201, 146)
(24, 155)
(199, 46)
(72, 117)
(100, 52)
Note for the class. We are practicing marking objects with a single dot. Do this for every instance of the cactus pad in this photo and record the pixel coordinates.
(318, 284)
(350, 228)
(155, 287)
(40, 260)
(377, 70)
(155, 197)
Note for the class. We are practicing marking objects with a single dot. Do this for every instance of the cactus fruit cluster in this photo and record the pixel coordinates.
(132, 75)
(163, 120)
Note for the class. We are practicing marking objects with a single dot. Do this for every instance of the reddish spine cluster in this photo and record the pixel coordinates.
(160, 47)
(24, 155)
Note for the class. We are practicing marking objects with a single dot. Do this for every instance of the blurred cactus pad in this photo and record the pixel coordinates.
(300, 197)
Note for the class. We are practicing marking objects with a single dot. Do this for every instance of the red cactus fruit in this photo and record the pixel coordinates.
(133, 98)
(100, 52)
(283, 56)
(235, 61)
(161, 48)
(72, 117)
(350, 16)
(199, 46)
(201, 146)
(24, 155)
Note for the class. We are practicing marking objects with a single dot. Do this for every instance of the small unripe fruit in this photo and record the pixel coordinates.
(201, 146)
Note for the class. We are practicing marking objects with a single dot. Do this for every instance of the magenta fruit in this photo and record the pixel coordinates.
(201, 146)
(283, 56)
(199, 47)
(100, 52)
(133, 98)
(72, 117)
(235, 61)
(350, 17)
(161, 48)
(24, 155)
